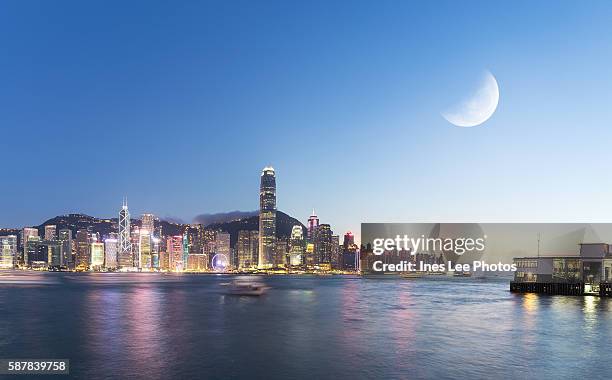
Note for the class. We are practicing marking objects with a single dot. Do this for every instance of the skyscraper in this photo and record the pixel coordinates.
(148, 223)
(50, 232)
(110, 252)
(97, 255)
(267, 218)
(296, 249)
(8, 251)
(26, 234)
(323, 245)
(144, 250)
(222, 246)
(185, 251)
(125, 246)
(313, 224)
(65, 238)
(246, 249)
(174, 250)
(83, 254)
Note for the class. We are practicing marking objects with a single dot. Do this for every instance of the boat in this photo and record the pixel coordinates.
(414, 274)
(246, 288)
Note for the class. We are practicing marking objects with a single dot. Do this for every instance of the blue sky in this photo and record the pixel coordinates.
(179, 106)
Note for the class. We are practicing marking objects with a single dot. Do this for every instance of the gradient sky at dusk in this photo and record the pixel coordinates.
(180, 105)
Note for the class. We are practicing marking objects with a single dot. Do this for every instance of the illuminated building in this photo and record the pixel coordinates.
(222, 245)
(313, 224)
(174, 251)
(144, 249)
(97, 255)
(26, 233)
(31, 249)
(148, 223)
(125, 246)
(267, 218)
(48, 253)
(197, 262)
(111, 249)
(82, 256)
(65, 239)
(155, 244)
(350, 256)
(309, 255)
(281, 250)
(135, 242)
(336, 252)
(323, 244)
(246, 249)
(185, 251)
(50, 232)
(296, 246)
(8, 251)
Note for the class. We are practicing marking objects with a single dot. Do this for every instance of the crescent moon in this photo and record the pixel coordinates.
(477, 108)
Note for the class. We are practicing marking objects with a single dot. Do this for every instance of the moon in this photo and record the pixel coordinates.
(477, 108)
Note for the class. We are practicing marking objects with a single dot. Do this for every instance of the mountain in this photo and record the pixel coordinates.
(231, 223)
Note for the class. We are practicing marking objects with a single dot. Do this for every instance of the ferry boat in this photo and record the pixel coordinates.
(246, 288)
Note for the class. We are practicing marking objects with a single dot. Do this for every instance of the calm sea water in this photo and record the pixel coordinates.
(152, 326)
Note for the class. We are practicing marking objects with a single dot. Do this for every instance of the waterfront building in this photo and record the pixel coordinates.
(222, 245)
(174, 251)
(31, 250)
(26, 233)
(8, 251)
(590, 268)
(144, 249)
(281, 251)
(155, 245)
(125, 245)
(323, 245)
(50, 232)
(111, 249)
(267, 218)
(246, 249)
(296, 246)
(97, 255)
(350, 257)
(82, 257)
(336, 252)
(185, 249)
(65, 239)
(197, 262)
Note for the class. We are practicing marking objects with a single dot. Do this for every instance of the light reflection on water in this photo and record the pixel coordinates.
(150, 326)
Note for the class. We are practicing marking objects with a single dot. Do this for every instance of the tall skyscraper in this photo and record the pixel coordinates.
(174, 250)
(83, 254)
(267, 218)
(26, 234)
(65, 238)
(296, 246)
(185, 251)
(50, 232)
(97, 255)
(144, 249)
(313, 224)
(323, 244)
(8, 251)
(246, 249)
(111, 250)
(336, 252)
(125, 245)
(222, 245)
(148, 223)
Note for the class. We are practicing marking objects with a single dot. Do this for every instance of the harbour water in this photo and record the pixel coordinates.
(184, 326)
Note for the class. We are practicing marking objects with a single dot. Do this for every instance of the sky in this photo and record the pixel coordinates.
(179, 105)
